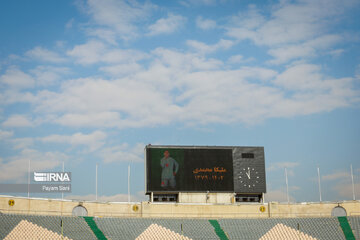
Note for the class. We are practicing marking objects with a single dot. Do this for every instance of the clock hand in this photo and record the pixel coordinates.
(248, 173)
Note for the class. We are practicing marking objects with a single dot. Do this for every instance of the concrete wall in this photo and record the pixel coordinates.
(168, 210)
(317, 209)
(217, 198)
(176, 210)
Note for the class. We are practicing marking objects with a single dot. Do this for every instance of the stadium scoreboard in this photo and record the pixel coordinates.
(173, 169)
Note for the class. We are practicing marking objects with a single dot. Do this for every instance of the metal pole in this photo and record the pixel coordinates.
(29, 180)
(287, 186)
(352, 181)
(129, 183)
(62, 229)
(96, 182)
(318, 170)
(298, 230)
(63, 168)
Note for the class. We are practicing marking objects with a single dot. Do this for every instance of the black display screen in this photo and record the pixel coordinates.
(189, 170)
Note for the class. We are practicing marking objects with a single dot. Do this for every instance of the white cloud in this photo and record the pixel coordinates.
(91, 101)
(282, 165)
(166, 25)
(95, 51)
(277, 195)
(307, 77)
(16, 168)
(204, 48)
(22, 143)
(190, 3)
(69, 24)
(301, 76)
(243, 25)
(123, 153)
(345, 191)
(105, 119)
(336, 176)
(88, 53)
(94, 140)
(122, 69)
(293, 30)
(185, 87)
(17, 79)
(236, 59)
(118, 16)
(125, 56)
(239, 59)
(336, 52)
(205, 24)
(307, 49)
(341, 184)
(48, 75)
(60, 44)
(5, 134)
(11, 96)
(175, 86)
(284, 54)
(313, 92)
(184, 62)
(45, 55)
(224, 96)
(18, 121)
(107, 35)
(290, 23)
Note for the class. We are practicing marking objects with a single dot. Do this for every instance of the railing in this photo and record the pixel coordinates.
(36, 212)
(140, 214)
(181, 215)
(299, 215)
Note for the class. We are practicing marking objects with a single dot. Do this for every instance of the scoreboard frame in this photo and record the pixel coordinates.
(200, 169)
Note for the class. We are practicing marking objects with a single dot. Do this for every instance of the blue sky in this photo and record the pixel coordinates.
(92, 82)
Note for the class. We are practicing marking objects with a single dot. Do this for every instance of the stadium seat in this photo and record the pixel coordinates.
(73, 227)
(18, 226)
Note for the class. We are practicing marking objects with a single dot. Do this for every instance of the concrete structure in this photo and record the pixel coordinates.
(175, 210)
(216, 198)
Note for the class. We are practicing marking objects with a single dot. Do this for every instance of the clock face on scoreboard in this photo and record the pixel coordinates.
(249, 170)
(249, 177)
